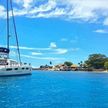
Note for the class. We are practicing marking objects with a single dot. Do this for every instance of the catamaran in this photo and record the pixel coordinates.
(10, 67)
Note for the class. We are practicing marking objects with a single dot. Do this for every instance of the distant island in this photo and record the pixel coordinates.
(95, 62)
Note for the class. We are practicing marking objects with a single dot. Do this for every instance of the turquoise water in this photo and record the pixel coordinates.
(55, 90)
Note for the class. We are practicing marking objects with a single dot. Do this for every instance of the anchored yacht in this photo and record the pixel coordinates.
(10, 67)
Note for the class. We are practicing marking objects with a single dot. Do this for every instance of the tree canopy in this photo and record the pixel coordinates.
(96, 61)
(106, 65)
(68, 63)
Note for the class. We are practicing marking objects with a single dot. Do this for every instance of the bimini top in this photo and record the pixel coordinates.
(4, 50)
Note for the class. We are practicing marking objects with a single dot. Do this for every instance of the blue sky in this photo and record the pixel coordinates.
(57, 30)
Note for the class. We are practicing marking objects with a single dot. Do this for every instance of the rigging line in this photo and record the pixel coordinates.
(16, 35)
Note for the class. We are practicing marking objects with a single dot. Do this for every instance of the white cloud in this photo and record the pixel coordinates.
(61, 51)
(86, 10)
(72, 40)
(36, 53)
(29, 48)
(101, 31)
(2, 12)
(53, 45)
(32, 11)
(41, 58)
(42, 51)
(25, 3)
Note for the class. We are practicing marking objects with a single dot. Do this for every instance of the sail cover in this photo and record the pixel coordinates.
(4, 50)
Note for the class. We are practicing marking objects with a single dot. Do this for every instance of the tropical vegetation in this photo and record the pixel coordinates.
(96, 61)
(106, 65)
(68, 63)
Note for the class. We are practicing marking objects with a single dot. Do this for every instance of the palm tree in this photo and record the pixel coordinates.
(50, 62)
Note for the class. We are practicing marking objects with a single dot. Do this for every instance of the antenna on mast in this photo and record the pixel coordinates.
(8, 26)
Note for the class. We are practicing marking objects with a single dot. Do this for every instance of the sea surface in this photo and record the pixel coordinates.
(48, 89)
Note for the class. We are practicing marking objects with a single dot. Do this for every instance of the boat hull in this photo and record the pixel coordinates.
(19, 72)
(3, 74)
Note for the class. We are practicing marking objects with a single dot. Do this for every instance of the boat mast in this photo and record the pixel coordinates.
(8, 26)
(15, 30)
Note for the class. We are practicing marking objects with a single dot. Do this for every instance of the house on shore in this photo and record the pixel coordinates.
(63, 67)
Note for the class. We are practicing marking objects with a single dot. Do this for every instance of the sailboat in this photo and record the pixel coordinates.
(10, 67)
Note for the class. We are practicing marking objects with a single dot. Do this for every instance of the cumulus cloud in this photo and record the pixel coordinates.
(53, 45)
(25, 3)
(86, 10)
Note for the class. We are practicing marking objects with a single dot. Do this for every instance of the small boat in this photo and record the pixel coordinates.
(10, 67)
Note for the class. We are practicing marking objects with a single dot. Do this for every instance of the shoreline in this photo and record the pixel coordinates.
(94, 71)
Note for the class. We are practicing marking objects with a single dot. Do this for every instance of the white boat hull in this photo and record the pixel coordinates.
(14, 73)
(5, 72)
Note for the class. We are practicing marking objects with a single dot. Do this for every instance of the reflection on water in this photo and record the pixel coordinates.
(55, 90)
